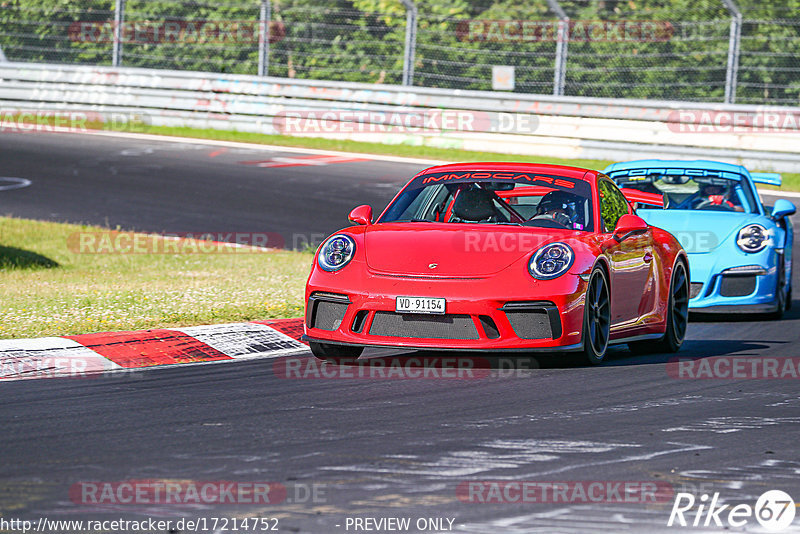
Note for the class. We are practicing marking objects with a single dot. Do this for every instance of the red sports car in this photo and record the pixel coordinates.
(500, 257)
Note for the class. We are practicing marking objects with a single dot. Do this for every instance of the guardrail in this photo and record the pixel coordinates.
(765, 138)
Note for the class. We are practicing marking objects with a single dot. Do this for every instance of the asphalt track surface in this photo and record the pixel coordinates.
(375, 447)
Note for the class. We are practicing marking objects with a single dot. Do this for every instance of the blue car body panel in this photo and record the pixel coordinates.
(709, 238)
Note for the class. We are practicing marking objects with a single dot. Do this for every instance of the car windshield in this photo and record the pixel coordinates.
(683, 192)
(523, 200)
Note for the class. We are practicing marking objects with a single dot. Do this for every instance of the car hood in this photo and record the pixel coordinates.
(451, 250)
(699, 231)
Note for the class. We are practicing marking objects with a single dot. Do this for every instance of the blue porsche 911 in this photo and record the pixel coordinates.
(740, 251)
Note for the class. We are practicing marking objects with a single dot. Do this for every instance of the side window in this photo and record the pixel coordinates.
(613, 204)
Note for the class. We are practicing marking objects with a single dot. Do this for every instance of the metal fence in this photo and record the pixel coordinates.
(735, 51)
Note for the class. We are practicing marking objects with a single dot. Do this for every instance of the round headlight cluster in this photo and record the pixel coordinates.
(551, 261)
(752, 238)
(336, 252)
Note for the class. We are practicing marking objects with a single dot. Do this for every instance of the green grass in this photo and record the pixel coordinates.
(791, 181)
(47, 289)
(400, 150)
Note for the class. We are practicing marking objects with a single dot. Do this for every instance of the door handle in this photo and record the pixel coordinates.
(648, 257)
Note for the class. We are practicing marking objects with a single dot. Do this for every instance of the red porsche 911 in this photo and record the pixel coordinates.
(500, 257)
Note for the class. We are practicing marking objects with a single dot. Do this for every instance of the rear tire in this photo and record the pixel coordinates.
(337, 354)
(596, 318)
(677, 317)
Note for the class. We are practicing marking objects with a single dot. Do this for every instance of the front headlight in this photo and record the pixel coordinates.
(752, 238)
(336, 252)
(551, 261)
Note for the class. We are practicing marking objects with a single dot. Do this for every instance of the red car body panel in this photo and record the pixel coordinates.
(482, 272)
(634, 195)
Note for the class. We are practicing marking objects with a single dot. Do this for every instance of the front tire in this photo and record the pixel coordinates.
(677, 317)
(337, 354)
(596, 318)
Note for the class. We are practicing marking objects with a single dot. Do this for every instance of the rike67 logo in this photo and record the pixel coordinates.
(774, 511)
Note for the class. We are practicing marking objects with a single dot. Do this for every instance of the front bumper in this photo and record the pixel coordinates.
(481, 314)
(745, 284)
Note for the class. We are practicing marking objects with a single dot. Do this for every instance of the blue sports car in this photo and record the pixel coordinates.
(740, 251)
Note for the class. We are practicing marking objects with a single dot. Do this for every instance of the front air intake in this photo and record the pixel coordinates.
(534, 320)
(390, 324)
(737, 286)
(326, 310)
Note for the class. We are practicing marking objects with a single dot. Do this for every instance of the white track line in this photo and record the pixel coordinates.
(778, 194)
(257, 146)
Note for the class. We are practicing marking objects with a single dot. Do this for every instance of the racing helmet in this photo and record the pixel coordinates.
(565, 208)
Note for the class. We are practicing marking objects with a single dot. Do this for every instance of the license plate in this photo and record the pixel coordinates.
(419, 305)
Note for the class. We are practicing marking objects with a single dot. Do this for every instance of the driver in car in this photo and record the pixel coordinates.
(717, 195)
(562, 208)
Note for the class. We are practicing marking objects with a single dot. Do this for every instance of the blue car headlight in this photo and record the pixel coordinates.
(336, 252)
(551, 261)
(752, 238)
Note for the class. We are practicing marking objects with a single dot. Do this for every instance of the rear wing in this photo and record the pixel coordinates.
(768, 178)
(634, 195)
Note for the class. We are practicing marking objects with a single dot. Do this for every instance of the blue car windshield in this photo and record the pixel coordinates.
(707, 193)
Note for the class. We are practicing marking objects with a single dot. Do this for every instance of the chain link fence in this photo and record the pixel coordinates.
(743, 51)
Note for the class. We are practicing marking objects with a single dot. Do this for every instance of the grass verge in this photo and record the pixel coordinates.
(791, 181)
(344, 145)
(49, 290)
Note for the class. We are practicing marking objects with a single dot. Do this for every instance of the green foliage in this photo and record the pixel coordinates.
(38, 30)
(458, 43)
(612, 205)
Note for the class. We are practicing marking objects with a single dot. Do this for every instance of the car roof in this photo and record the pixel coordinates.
(676, 163)
(577, 173)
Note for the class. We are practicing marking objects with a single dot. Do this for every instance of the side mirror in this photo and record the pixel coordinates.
(783, 208)
(629, 225)
(361, 215)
